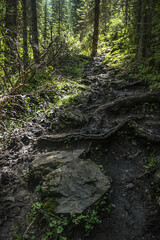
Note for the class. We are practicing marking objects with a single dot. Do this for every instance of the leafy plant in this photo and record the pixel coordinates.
(58, 227)
(151, 165)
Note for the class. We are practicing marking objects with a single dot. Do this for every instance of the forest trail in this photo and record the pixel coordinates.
(117, 122)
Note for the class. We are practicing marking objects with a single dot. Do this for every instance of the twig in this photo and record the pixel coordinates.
(28, 228)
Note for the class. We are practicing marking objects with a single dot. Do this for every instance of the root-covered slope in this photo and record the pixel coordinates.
(117, 122)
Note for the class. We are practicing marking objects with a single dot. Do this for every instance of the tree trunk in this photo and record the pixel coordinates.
(25, 42)
(148, 32)
(145, 34)
(59, 19)
(51, 21)
(126, 11)
(96, 28)
(11, 18)
(45, 21)
(35, 41)
(11, 35)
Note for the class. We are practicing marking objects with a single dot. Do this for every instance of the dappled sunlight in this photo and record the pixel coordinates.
(79, 120)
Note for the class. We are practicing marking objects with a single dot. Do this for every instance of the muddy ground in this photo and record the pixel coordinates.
(117, 121)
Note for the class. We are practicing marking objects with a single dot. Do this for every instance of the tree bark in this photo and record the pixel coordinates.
(96, 28)
(45, 21)
(11, 35)
(145, 33)
(25, 42)
(35, 42)
(126, 11)
(11, 18)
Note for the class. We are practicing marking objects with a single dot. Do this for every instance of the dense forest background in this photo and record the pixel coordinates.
(39, 38)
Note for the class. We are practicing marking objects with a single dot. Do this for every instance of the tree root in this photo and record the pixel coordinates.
(129, 122)
(132, 84)
(129, 101)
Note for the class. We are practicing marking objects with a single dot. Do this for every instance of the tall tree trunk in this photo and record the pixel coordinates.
(45, 21)
(11, 35)
(25, 42)
(96, 28)
(59, 19)
(35, 42)
(126, 11)
(137, 13)
(52, 19)
(148, 31)
(144, 45)
(11, 18)
(141, 29)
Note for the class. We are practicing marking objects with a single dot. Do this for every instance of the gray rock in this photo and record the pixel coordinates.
(130, 186)
(74, 184)
(10, 199)
(52, 160)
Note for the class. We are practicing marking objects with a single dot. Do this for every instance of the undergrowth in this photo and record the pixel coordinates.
(126, 64)
(44, 224)
(45, 91)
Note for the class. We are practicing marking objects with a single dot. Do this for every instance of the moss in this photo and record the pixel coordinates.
(49, 205)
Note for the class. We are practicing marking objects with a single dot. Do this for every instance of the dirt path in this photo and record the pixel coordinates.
(118, 122)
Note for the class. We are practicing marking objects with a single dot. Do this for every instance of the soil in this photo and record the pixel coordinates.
(117, 121)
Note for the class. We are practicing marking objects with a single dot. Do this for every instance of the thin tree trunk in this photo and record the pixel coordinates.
(137, 13)
(11, 34)
(59, 19)
(141, 32)
(52, 20)
(25, 42)
(96, 28)
(45, 20)
(126, 11)
(35, 42)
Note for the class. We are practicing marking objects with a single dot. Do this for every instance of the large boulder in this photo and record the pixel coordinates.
(74, 183)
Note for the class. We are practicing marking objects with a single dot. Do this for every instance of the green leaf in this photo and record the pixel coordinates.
(59, 229)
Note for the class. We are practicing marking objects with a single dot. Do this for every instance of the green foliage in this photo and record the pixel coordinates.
(73, 67)
(38, 188)
(36, 210)
(60, 227)
(17, 235)
(44, 92)
(151, 165)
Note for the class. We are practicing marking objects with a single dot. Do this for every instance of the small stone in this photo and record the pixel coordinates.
(113, 205)
(10, 199)
(130, 186)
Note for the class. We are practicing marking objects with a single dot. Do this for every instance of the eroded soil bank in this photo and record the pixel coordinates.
(117, 122)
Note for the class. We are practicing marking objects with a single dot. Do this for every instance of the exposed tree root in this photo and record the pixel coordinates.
(130, 101)
(128, 122)
(80, 136)
(132, 84)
